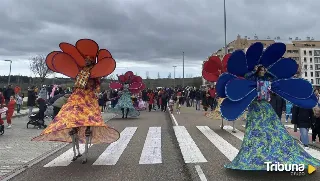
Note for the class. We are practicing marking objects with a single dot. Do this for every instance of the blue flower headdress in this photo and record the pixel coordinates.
(239, 91)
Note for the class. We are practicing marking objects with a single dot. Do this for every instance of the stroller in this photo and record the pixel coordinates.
(2, 111)
(37, 120)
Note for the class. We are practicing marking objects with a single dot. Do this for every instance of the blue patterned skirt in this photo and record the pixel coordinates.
(125, 102)
(267, 140)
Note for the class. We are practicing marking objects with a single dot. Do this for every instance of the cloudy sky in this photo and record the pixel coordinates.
(146, 35)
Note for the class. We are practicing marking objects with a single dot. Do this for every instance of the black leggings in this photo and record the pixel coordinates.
(127, 111)
(150, 107)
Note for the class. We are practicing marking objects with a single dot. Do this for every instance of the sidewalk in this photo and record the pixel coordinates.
(18, 152)
(23, 112)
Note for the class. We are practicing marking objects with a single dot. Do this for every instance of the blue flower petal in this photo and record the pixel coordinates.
(284, 68)
(253, 55)
(308, 103)
(231, 110)
(272, 54)
(222, 82)
(297, 88)
(237, 89)
(237, 63)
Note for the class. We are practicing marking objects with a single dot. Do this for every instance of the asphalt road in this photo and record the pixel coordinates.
(153, 147)
(168, 166)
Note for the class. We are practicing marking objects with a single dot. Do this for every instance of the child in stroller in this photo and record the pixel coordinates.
(38, 118)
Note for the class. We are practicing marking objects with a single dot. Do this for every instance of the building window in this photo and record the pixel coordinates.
(317, 67)
(318, 81)
(311, 67)
(310, 53)
(317, 53)
(311, 73)
(310, 60)
(305, 59)
(305, 67)
(295, 51)
(316, 59)
(305, 52)
(311, 81)
(305, 74)
(317, 74)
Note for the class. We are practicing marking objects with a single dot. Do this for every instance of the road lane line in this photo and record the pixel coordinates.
(174, 119)
(65, 158)
(200, 173)
(151, 152)
(225, 147)
(113, 152)
(313, 152)
(190, 151)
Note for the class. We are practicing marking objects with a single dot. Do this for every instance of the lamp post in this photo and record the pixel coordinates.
(174, 76)
(183, 69)
(225, 44)
(9, 70)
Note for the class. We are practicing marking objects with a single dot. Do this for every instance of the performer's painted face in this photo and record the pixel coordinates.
(261, 71)
(89, 61)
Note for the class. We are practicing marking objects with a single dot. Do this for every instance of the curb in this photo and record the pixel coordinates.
(36, 160)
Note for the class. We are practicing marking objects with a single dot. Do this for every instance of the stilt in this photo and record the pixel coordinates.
(221, 123)
(88, 135)
(234, 129)
(75, 143)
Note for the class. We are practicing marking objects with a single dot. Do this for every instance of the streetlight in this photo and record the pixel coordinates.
(225, 45)
(174, 76)
(183, 69)
(9, 71)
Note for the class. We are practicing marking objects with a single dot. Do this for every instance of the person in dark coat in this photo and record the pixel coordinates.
(8, 93)
(198, 97)
(42, 108)
(278, 104)
(164, 101)
(31, 99)
(303, 119)
(316, 124)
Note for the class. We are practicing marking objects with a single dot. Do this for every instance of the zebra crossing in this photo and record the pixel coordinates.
(151, 152)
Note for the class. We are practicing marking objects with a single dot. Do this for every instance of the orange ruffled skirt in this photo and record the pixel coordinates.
(80, 111)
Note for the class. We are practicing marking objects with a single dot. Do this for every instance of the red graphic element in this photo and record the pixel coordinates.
(71, 59)
(214, 67)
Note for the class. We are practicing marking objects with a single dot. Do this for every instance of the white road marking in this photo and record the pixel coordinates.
(200, 173)
(190, 151)
(225, 147)
(151, 153)
(65, 158)
(174, 119)
(113, 152)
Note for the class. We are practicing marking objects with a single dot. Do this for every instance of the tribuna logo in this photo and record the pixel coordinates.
(279, 167)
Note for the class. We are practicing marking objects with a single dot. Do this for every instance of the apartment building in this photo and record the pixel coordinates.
(305, 52)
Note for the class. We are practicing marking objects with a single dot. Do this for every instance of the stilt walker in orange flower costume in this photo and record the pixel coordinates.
(80, 120)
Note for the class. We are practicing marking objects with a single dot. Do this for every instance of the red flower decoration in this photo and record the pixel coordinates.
(71, 59)
(134, 81)
(214, 67)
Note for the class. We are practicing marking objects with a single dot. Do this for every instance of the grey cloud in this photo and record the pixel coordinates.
(149, 30)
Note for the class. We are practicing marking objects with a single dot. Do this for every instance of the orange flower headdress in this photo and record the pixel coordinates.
(85, 54)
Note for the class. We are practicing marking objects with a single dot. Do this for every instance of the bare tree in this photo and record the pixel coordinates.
(136, 73)
(39, 67)
(169, 75)
(111, 77)
(158, 75)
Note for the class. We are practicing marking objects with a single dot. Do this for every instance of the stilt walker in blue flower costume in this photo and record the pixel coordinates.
(248, 82)
(127, 83)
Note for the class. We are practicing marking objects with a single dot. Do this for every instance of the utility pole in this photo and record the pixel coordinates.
(183, 69)
(225, 46)
(9, 70)
(174, 76)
